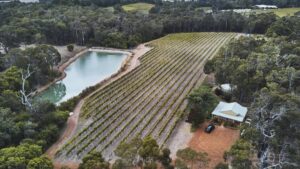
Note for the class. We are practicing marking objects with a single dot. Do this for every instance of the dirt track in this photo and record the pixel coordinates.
(68, 131)
(181, 138)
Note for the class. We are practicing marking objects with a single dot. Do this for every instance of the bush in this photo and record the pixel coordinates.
(227, 97)
(218, 92)
(226, 123)
(221, 166)
(229, 124)
(40, 162)
(209, 67)
(180, 164)
(151, 165)
(93, 160)
(69, 105)
(120, 164)
(216, 121)
(194, 127)
(70, 48)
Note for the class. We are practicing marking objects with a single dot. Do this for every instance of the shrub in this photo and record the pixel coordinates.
(229, 124)
(216, 120)
(227, 97)
(209, 67)
(226, 123)
(70, 48)
(221, 166)
(218, 92)
(69, 105)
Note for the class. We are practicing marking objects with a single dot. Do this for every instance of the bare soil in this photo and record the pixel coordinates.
(70, 165)
(181, 138)
(215, 143)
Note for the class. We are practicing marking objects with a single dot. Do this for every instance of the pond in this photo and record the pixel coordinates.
(87, 70)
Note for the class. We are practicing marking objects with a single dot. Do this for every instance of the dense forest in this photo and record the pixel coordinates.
(266, 73)
(28, 128)
(33, 125)
(113, 27)
(216, 4)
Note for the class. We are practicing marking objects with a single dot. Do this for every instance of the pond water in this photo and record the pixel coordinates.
(86, 71)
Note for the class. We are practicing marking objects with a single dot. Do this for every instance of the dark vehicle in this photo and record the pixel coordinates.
(209, 128)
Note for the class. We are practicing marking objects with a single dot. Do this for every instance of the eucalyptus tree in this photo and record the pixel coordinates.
(240, 154)
(9, 129)
(191, 158)
(94, 160)
(40, 163)
(201, 102)
(149, 150)
(275, 118)
(18, 157)
(128, 152)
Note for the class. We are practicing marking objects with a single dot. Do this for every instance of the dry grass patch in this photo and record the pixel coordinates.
(143, 7)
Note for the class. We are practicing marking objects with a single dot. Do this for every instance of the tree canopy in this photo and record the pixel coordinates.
(94, 160)
(145, 153)
(90, 25)
(190, 158)
(20, 156)
(40, 163)
(266, 73)
(201, 102)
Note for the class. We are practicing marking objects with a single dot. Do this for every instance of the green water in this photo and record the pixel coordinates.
(86, 71)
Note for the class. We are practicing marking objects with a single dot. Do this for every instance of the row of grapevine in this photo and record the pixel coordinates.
(147, 100)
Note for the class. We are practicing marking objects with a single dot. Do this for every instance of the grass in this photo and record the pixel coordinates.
(142, 7)
(281, 12)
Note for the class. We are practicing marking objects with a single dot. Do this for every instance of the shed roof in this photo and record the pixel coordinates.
(266, 6)
(233, 111)
(226, 87)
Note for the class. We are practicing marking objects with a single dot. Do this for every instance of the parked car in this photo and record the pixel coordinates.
(209, 128)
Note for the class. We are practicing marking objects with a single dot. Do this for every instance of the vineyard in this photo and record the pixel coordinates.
(148, 100)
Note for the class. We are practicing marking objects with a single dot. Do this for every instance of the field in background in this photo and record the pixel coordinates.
(145, 7)
(142, 7)
(148, 100)
(281, 12)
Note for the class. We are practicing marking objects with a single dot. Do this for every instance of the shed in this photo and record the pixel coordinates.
(226, 88)
(230, 111)
(266, 6)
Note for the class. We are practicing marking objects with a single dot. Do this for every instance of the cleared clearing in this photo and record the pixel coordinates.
(148, 100)
(281, 12)
(143, 7)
